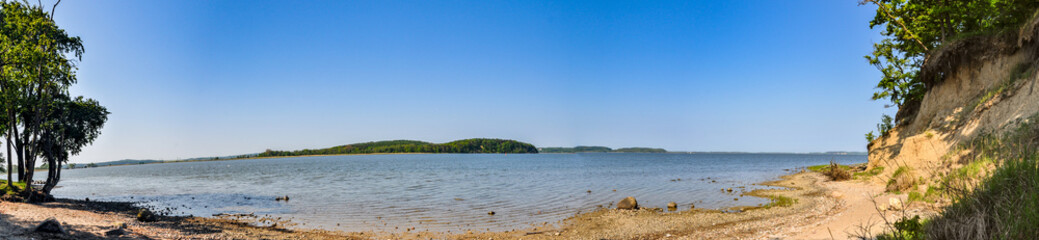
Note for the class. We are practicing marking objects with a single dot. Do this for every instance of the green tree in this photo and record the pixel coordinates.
(73, 124)
(37, 65)
(915, 29)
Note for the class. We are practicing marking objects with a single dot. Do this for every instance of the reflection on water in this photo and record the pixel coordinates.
(438, 192)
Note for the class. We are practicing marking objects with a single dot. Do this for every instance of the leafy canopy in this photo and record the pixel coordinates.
(915, 29)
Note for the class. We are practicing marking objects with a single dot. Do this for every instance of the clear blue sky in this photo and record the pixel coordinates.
(208, 78)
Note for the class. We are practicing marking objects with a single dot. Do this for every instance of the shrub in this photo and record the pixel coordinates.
(906, 229)
(837, 172)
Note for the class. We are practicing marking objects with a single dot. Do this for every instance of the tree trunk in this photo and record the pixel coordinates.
(53, 178)
(10, 181)
(51, 175)
(18, 150)
(10, 128)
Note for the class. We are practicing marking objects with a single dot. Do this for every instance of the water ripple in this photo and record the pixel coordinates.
(439, 192)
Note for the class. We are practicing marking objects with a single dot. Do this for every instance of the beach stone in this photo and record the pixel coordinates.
(895, 204)
(628, 203)
(692, 206)
(145, 215)
(837, 194)
(115, 232)
(50, 225)
(671, 206)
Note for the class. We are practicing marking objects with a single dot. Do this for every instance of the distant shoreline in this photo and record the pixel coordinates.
(253, 158)
(353, 154)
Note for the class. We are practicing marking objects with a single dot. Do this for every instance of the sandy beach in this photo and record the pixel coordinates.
(822, 210)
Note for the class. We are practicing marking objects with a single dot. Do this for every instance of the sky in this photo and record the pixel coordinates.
(188, 79)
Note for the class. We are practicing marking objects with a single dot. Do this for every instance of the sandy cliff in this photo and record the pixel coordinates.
(978, 86)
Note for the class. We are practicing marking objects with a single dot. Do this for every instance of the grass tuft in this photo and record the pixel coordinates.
(868, 174)
(1002, 203)
(901, 180)
(780, 201)
(4, 190)
(1004, 206)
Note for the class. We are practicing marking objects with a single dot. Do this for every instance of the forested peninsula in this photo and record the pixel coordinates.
(601, 149)
(473, 145)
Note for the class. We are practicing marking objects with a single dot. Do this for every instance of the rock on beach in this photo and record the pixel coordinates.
(628, 203)
(50, 225)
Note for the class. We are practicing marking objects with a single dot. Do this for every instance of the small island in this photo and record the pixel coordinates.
(472, 145)
(601, 149)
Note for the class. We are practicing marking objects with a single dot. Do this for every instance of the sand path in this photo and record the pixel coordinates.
(858, 213)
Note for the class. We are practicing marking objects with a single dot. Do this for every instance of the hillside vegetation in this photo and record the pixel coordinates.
(601, 149)
(964, 139)
(474, 145)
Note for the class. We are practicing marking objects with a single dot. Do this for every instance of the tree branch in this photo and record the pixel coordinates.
(54, 8)
(897, 21)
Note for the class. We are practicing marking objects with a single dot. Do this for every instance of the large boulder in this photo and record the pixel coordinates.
(628, 203)
(50, 225)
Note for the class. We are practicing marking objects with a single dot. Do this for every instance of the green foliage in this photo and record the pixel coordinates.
(930, 196)
(906, 229)
(885, 125)
(826, 168)
(5, 190)
(913, 29)
(867, 174)
(37, 66)
(780, 201)
(1005, 203)
(915, 196)
(71, 125)
(1004, 206)
(902, 179)
(475, 145)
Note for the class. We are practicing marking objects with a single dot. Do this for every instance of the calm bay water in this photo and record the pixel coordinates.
(438, 192)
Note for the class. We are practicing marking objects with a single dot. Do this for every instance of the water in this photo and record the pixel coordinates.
(438, 192)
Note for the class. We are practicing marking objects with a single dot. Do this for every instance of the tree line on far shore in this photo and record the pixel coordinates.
(39, 118)
(474, 145)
